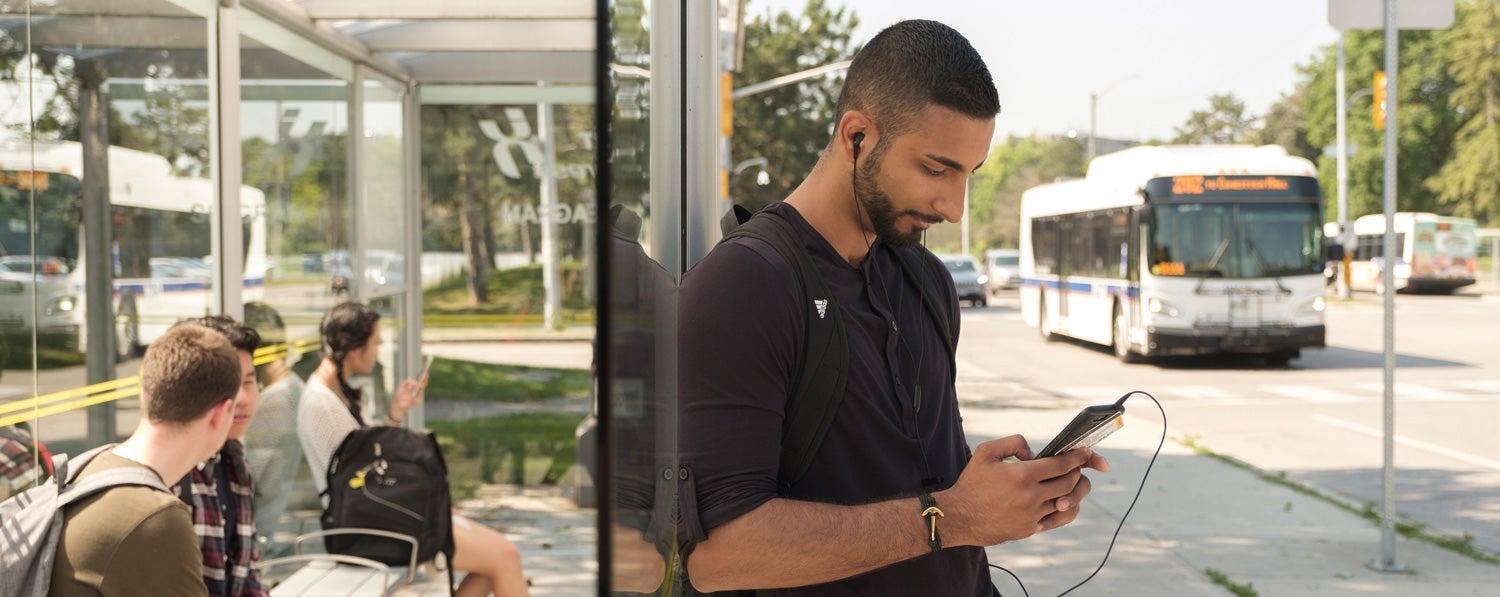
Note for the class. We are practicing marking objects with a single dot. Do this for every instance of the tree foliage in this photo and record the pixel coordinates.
(789, 126)
(1283, 125)
(1468, 184)
(1012, 167)
(1426, 127)
(1225, 121)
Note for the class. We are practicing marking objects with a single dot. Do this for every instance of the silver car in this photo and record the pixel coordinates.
(968, 278)
(1003, 266)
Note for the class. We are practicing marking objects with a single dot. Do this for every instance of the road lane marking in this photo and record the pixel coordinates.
(1415, 392)
(1483, 386)
(1203, 394)
(974, 371)
(1410, 443)
(1311, 393)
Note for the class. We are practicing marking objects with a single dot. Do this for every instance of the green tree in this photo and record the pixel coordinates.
(789, 126)
(1225, 121)
(1012, 167)
(1468, 184)
(1426, 125)
(1285, 124)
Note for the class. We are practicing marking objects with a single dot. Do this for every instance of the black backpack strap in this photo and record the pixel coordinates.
(818, 386)
(927, 276)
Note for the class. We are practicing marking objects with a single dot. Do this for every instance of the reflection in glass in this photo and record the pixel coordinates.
(104, 192)
(641, 370)
(294, 119)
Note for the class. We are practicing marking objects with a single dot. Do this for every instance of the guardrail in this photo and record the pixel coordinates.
(47, 405)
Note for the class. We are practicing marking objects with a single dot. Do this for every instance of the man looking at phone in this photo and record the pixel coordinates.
(893, 503)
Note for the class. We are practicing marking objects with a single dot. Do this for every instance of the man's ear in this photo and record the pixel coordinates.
(856, 134)
(221, 415)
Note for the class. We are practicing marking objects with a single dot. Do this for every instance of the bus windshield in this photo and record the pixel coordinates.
(55, 212)
(1236, 240)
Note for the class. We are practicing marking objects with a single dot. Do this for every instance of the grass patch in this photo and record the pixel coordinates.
(514, 291)
(1221, 579)
(525, 449)
(467, 380)
(1463, 545)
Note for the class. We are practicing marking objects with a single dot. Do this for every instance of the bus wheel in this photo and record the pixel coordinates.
(1122, 338)
(1042, 325)
(127, 328)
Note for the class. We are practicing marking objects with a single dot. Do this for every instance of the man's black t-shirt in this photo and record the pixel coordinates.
(741, 333)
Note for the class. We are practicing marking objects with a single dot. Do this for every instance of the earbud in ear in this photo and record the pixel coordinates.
(858, 138)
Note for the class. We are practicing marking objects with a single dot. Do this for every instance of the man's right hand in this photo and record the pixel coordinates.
(996, 500)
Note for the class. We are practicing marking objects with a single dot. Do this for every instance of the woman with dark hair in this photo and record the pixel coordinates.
(331, 408)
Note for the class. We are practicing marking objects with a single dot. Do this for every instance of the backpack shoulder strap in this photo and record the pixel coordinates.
(818, 386)
(72, 489)
(922, 272)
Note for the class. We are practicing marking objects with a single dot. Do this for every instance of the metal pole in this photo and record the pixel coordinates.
(665, 177)
(1387, 562)
(963, 228)
(703, 141)
(1093, 108)
(98, 244)
(228, 232)
(1341, 116)
(551, 280)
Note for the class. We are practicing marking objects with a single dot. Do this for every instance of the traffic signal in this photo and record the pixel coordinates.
(1378, 113)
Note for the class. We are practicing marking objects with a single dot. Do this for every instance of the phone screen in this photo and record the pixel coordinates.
(1089, 427)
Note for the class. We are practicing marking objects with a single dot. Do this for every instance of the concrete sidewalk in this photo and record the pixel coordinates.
(1197, 514)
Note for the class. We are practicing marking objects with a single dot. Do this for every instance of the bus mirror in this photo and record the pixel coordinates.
(1144, 216)
(1334, 251)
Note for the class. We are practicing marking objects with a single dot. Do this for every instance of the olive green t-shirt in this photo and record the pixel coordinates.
(128, 540)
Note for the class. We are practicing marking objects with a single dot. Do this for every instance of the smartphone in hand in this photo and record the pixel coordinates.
(1089, 427)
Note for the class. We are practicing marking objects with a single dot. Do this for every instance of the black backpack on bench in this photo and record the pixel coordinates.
(391, 479)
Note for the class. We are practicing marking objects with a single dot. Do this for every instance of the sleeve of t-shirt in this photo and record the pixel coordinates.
(738, 330)
(159, 556)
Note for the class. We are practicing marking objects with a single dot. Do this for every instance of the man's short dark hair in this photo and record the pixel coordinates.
(914, 64)
(186, 372)
(241, 336)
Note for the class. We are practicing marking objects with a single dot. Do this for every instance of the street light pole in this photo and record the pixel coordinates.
(1093, 113)
(1093, 122)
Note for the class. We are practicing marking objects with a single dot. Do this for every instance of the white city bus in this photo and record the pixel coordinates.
(162, 245)
(1179, 250)
(1435, 253)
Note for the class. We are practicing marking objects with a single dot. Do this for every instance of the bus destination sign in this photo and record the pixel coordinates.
(1226, 186)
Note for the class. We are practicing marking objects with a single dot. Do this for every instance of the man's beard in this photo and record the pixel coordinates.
(883, 215)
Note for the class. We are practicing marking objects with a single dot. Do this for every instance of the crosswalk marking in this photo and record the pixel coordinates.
(1414, 392)
(1311, 393)
(1481, 386)
(1265, 394)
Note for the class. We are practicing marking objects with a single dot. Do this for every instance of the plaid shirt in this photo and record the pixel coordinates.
(228, 570)
(18, 469)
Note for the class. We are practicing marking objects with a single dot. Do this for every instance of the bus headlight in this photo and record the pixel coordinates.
(62, 304)
(1317, 305)
(1161, 307)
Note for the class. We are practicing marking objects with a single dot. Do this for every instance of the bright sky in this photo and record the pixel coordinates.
(1156, 60)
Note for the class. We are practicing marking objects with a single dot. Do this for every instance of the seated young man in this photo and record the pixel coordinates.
(220, 491)
(139, 540)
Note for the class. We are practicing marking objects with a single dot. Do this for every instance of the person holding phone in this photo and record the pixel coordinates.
(892, 503)
(331, 408)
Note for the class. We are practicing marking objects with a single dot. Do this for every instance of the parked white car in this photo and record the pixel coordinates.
(1003, 266)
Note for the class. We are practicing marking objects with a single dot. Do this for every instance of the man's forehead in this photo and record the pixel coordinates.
(950, 137)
